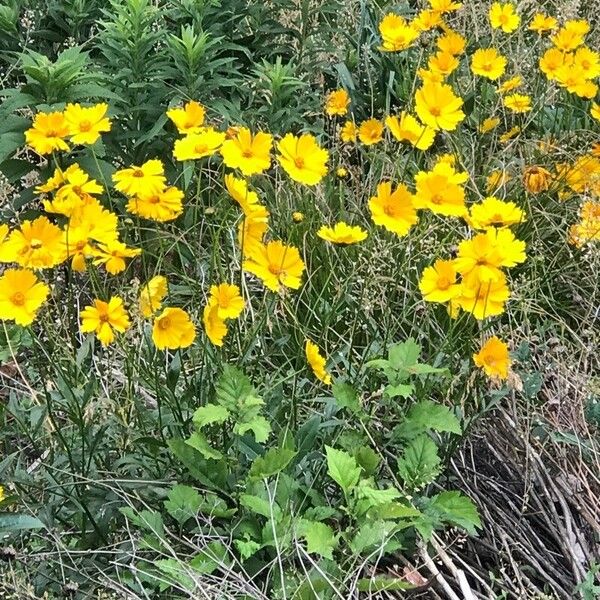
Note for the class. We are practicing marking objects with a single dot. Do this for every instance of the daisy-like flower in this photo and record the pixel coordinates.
(588, 61)
(337, 103)
(483, 299)
(437, 106)
(189, 118)
(542, 23)
(595, 111)
(113, 254)
(342, 233)
(152, 293)
(396, 33)
(276, 264)
(571, 35)
(228, 300)
(439, 282)
(444, 6)
(536, 179)
(493, 358)
(48, 133)
(104, 318)
(251, 232)
(21, 296)
(370, 132)
(87, 123)
(246, 198)
(489, 63)
(249, 153)
(98, 223)
(504, 16)
(195, 146)
(518, 103)
(317, 362)
(302, 158)
(146, 179)
(407, 128)
(173, 329)
(488, 124)
(452, 43)
(162, 207)
(492, 212)
(443, 63)
(441, 190)
(349, 132)
(552, 61)
(57, 179)
(77, 247)
(510, 84)
(214, 326)
(395, 211)
(73, 193)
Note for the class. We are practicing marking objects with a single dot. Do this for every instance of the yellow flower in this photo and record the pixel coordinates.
(48, 132)
(277, 265)
(396, 33)
(251, 232)
(438, 106)
(85, 124)
(552, 61)
(510, 134)
(98, 223)
(341, 172)
(438, 283)
(77, 247)
(488, 62)
(215, 328)
(342, 233)
(104, 318)
(247, 199)
(492, 212)
(452, 43)
(483, 299)
(297, 216)
(57, 179)
(37, 245)
(152, 294)
(195, 146)
(147, 179)
(249, 153)
(370, 132)
(188, 119)
(21, 296)
(349, 132)
(302, 158)
(536, 179)
(113, 254)
(427, 20)
(228, 300)
(428, 76)
(337, 103)
(588, 61)
(495, 180)
(161, 207)
(504, 16)
(493, 358)
(444, 6)
(488, 124)
(542, 23)
(173, 329)
(510, 84)
(73, 193)
(571, 35)
(440, 190)
(518, 103)
(595, 111)
(407, 128)
(317, 362)
(443, 63)
(395, 211)
(2, 494)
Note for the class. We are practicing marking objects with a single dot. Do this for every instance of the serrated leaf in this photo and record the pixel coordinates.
(372, 535)
(260, 506)
(200, 443)
(209, 414)
(319, 537)
(457, 509)
(232, 387)
(394, 510)
(272, 462)
(260, 427)
(342, 468)
(404, 390)
(368, 459)
(246, 548)
(210, 558)
(345, 396)
(420, 463)
(184, 502)
(404, 355)
(429, 415)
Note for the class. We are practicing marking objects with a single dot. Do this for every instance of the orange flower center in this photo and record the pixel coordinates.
(200, 148)
(85, 126)
(103, 318)
(435, 111)
(388, 209)
(79, 246)
(437, 199)
(154, 200)
(299, 162)
(18, 298)
(247, 154)
(138, 173)
(275, 270)
(77, 190)
(164, 323)
(35, 244)
(443, 283)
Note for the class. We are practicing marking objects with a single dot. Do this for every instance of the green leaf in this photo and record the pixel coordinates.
(260, 506)
(342, 468)
(15, 522)
(372, 535)
(184, 502)
(381, 583)
(232, 387)
(319, 537)
(260, 427)
(346, 396)
(457, 509)
(429, 415)
(209, 414)
(394, 510)
(404, 390)
(148, 520)
(368, 459)
(420, 463)
(213, 556)
(272, 462)
(404, 355)
(246, 548)
(200, 443)
(175, 573)
(193, 460)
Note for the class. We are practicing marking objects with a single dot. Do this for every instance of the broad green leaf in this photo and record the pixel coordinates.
(209, 414)
(422, 369)
(381, 583)
(14, 522)
(213, 556)
(345, 396)
(200, 443)
(420, 463)
(260, 506)
(404, 355)
(246, 548)
(193, 460)
(368, 459)
(271, 463)
(319, 537)
(232, 387)
(175, 573)
(429, 415)
(457, 509)
(375, 496)
(394, 510)
(148, 520)
(342, 468)
(372, 535)
(260, 427)
(404, 390)
(184, 502)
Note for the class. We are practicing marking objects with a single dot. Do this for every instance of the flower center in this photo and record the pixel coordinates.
(435, 111)
(247, 153)
(79, 246)
(85, 126)
(18, 298)
(138, 173)
(154, 200)
(437, 199)
(299, 162)
(164, 323)
(443, 283)
(103, 318)
(275, 270)
(35, 244)
(200, 148)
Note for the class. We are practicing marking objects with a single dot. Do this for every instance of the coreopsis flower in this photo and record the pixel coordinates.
(503, 16)
(195, 146)
(571, 35)
(542, 23)
(341, 172)
(85, 124)
(21, 296)
(588, 61)
(104, 318)
(489, 63)
(451, 43)
(518, 103)
(251, 232)
(342, 233)
(395, 211)
(77, 247)
(73, 193)
(595, 111)
(337, 103)
(439, 282)
(492, 212)
(228, 300)
(317, 362)
(277, 265)
(573, 78)
(249, 153)
(162, 207)
(510, 84)
(189, 118)
(510, 134)
(536, 179)
(552, 61)
(444, 6)
(146, 179)
(152, 293)
(302, 158)
(427, 20)
(488, 124)
(396, 33)
(588, 228)
(173, 329)
(437, 106)
(214, 327)
(370, 132)
(36, 245)
(441, 190)
(246, 198)
(483, 299)
(495, 180)
(113, 254)
(349, 132)
(56, 180)
(3, 233)
(443, 63)
(48, 133)
(429, 76)
(493, 358)
(297, 216)
(98, 223)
